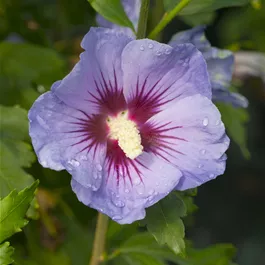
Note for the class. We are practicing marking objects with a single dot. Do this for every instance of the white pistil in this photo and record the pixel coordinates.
(126, 132)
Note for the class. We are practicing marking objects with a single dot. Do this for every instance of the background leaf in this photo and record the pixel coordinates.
(113, 11)
(235, 120)
(164, 223)
(13, 209)
(15, 152)
(23, 67)
(6, 252)
(197, 6)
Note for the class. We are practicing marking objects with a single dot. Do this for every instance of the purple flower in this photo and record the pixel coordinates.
(220, 63)
(131, 122)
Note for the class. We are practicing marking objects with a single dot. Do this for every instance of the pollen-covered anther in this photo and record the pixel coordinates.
(126, 132)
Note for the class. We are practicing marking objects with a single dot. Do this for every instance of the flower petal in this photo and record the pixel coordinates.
(156, 75)
(192, 137)
(194, 36)
(62, 139)
(132, 9)
(97, 77)
(220, 64)
(126, 202)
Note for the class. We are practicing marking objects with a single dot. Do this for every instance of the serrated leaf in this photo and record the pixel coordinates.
(235, 120)
(198, 6)
(15, 152)
(13, 209)
(6, 253)
(113, 11)
(164, 223)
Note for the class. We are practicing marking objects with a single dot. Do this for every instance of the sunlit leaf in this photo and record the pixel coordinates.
(164, 223)
(15, 152)
(113, 11)
(6, 253)
(13, 209)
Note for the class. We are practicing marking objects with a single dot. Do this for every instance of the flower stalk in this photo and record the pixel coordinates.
(167, 18)
(99, 240)
(142, 24)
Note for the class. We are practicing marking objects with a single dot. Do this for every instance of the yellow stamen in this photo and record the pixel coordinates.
(127, 134)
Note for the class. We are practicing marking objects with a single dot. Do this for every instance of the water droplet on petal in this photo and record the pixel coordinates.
(99, 167)
(126, 191)
(142, 48)
(84, 158)
(44, 163)
(168, 51)
(200, 166)
(94, 188)
(158, 53)
(150, 46)
(217, 122)
(211, 176)
(205, 121)
(74, 163)
(137, 181)
(203, 151)
(117, 217)
(119, 204)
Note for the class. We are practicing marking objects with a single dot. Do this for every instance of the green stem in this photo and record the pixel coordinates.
(141, 32)
(167, 18)
(99, 240)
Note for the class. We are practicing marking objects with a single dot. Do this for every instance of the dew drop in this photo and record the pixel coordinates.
(217, 122)
(99, 167)
(150, 46)
(74, 163)
(205, 121)
(95, 176)
(126, 191)
(142, 48)
(137, 181)
(120, 204)
(44, 163)
(200, 166)
(94, 188)
(203, 151)
(84, 158)
(158, 53)
(211, 176)
(168, 51)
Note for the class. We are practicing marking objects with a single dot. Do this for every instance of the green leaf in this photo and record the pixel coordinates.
(113, 11)
(6, 252)
(199, 18)
(15, 152)
(220, 254)
(164, 223)
(23, 65)
(202, 6)
(235, 120)
(13, 209)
